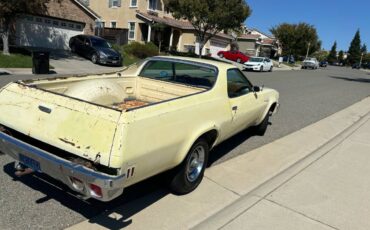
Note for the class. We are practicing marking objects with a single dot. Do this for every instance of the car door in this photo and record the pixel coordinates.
(245, 105)
(87, 47)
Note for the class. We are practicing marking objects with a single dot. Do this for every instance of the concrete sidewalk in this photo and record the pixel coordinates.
(315, 178)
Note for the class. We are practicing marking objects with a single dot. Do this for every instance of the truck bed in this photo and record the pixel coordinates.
(121, 93)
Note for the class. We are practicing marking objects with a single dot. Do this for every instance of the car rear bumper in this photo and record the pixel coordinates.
(63, 170)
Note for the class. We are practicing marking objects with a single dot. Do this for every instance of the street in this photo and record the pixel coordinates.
(306, 96)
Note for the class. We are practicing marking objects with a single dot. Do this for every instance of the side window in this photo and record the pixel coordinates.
(237, 83)
(160, 70)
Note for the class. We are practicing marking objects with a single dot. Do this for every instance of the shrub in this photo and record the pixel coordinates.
(141, 50)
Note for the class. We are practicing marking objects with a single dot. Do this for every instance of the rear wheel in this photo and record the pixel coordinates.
(188, 175)
(73, 48)
(271, 69)
(261, 69)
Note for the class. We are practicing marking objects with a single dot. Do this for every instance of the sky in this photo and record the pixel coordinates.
(335, 20)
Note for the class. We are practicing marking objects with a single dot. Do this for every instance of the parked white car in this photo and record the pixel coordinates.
(259, 64)
(311, 63)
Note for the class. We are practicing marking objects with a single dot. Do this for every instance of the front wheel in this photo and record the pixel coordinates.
(271, 69)
(94, 58)
(188, 175)
(261, 69)
(260, 129)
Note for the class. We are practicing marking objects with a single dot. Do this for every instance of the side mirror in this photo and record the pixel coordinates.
(256, 89)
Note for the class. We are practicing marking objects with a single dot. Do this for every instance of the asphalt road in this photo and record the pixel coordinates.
(37, 201)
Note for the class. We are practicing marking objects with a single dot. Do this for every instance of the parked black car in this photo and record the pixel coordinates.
(98, 50)
(323, 64)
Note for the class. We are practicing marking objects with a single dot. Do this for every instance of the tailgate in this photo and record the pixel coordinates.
(78, 127)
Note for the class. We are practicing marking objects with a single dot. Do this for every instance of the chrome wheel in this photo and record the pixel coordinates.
(94, 59)
(195, 163)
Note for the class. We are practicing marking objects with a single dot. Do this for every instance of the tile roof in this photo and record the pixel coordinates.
(181, 24)
(249, 36)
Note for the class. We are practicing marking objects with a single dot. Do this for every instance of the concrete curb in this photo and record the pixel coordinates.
(226, 186)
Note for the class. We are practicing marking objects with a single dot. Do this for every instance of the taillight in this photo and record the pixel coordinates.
(96, 190)
(77, 184)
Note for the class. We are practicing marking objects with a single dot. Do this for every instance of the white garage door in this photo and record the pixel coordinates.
(217, 46)
(35, 31)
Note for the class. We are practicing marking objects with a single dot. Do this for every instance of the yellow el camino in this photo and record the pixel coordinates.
(101, 133)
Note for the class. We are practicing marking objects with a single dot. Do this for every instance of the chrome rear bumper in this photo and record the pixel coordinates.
(63, 170)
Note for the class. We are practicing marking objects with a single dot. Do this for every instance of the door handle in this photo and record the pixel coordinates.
(234, 108)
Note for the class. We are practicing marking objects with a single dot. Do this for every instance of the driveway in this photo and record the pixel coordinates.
(65, 62)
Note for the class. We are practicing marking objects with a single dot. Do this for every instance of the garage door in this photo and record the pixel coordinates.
(35, 31)
(217, 46)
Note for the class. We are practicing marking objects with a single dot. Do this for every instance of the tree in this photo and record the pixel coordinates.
(297, 39)
(332, 57)
(364, 49)
(354, 51)
(210, 17)
(321, 55)
(11, 9)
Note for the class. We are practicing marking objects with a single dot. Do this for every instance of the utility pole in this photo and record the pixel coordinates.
(308, 48)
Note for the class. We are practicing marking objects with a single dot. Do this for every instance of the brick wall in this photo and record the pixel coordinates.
(69, 10)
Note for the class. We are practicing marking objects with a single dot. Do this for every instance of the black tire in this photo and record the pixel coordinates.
(260, 129)
(261, 69)
(271, 69)
(180, 183)
(73, 48)
(94, 59)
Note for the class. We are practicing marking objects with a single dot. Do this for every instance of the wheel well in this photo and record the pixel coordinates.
(210, 137)
(272, 108)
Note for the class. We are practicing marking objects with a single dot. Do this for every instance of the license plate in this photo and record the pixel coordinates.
(29, 162)
(114, 62)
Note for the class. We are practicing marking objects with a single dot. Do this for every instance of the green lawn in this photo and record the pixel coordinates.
(15, 61)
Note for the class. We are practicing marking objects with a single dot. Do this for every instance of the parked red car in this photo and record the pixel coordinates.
(234, 56)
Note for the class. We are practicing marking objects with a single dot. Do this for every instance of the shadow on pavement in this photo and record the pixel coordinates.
(363, 80)
(135, 198)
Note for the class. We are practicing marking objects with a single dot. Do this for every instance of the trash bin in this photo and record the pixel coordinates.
(40, 62)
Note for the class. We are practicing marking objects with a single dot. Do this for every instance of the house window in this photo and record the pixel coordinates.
(113, 24)
(29, 18)
(131, 30)
(114, 3)
(153, 5)
(55, 23)
(133, 3)
(64, 24)
(78, 27)
(71, 25)
(47, 21)
(38, 19)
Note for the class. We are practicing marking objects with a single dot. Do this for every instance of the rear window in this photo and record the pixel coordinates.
(179, 72)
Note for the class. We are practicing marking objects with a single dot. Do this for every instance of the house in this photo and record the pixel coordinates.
(53, 29)
(255, 43)
(151, 21)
